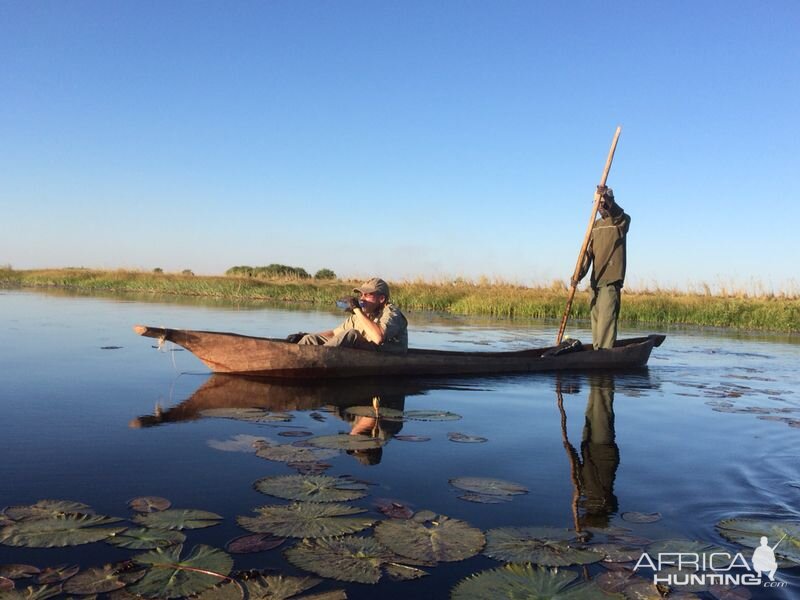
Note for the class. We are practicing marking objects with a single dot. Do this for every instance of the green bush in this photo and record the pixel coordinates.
(324, 274)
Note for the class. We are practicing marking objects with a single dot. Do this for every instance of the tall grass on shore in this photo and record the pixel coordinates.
(766, 312)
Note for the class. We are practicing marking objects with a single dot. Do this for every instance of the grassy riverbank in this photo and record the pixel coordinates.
(767, 313)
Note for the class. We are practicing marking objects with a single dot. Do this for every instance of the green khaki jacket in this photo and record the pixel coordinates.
(606, 251)
(393, 324)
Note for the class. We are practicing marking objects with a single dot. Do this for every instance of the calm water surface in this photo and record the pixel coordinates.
(95, 414)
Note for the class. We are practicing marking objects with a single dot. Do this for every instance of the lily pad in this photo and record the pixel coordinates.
(412, 438)
(347, 558)
(385, 414)
(748, 532)
(431, 415)
(306, 519)
(463, 438)
(238, 443)
(640, 517)
(295, 433)
(617, 553)
(65, 530)
(46, 509)
(315, 488)
(545, 546)
(261, 587)
(33, 593)
(254, 542)
(18, 571)
(344, 441)
(169, 576)
(148, 504)
(251, 415)
(488, 486)
(393, 509)
(291, 453)
(144, 538)
(682, 546)
(484, 498)
(100, 580)
(428, 538)
(177, 518)
(309, 468)
(57, 574)
(526, 581)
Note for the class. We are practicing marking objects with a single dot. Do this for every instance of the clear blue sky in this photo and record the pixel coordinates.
(413, 138)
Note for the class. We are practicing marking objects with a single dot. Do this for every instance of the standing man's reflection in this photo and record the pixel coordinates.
(599, 453)
(594, 471)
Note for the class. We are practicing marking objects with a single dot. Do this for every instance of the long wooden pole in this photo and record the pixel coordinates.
(597, 197)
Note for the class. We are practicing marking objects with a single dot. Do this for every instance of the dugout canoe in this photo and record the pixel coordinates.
(265, 357)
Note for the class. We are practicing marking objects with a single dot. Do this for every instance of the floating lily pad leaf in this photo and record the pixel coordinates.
(331, 595)
(344, 441)
(252, 415)
(309, 468)
(100, 580)
(463, 438)
(238, 443)
(295, 433)
(682, 546)
(18, 571)
(526, 581)
(487, 486)
(66, 530)
(412, 438)
(306, 519)
(231, 589)
(430, 538)
(278, 587)
(431, 415)
(347, 558)
(748, 532)
(33, 593)
(254, 542)
(722, 592)
(317, 417)
(144, 538)
(401, 572)
(393, 509)
(170, 577)
(640, 517)
(385, 414)
(292, 453)
(631, 540)
(46, 509)
(177, 518)
(485, 498)
(57, 574)
(148, 504)
(629, 585)
(314, 488)
(545, 546)
(617, 553)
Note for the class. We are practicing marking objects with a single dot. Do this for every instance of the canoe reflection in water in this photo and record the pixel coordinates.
(594, 470)
(332, 396)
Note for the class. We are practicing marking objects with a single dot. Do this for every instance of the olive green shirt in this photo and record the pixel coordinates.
(606, 251)
(393, 324)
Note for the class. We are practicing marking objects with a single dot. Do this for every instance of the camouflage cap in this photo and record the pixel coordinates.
(375, 285)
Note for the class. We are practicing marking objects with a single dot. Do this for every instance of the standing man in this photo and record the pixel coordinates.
(376, 323)
(606, 254)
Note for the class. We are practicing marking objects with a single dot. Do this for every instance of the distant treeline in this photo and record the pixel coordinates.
(276, 271)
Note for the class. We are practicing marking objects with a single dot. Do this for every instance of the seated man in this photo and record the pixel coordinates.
(376, 323)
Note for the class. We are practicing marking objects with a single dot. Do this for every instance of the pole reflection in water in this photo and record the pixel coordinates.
(594, 470)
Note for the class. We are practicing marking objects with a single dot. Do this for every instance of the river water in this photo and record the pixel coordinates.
(94, 414)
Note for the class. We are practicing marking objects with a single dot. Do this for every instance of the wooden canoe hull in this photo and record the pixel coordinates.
(265, 357)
